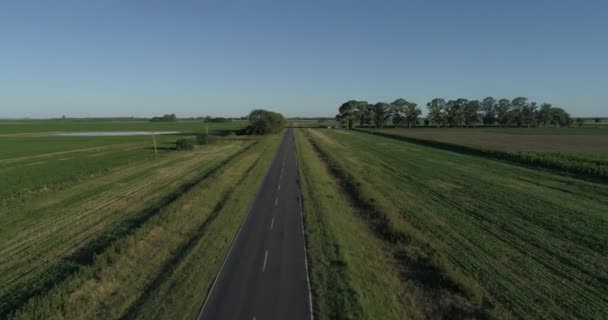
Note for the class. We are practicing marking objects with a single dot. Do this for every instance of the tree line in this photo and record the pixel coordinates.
(519, 112)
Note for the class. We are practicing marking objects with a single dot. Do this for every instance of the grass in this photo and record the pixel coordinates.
(593, 165)
(172, 257)
(48, 237)
(353, 274)
(476, 237)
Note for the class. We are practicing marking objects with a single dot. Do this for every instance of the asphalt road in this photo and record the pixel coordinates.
(265, 274)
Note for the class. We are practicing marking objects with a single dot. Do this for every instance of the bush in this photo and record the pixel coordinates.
(264, 122)
(205, 138)
(184, 144)
(202, 138)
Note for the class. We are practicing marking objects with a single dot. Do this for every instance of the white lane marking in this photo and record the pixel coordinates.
(272, 224)
(279, 187)
(265, 258)
(276, 201)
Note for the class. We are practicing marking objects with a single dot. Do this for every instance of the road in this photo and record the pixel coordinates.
(265, 274)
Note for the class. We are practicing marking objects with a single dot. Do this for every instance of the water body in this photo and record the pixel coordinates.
(111, 133)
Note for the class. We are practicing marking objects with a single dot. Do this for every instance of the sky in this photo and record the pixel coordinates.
(301, 58)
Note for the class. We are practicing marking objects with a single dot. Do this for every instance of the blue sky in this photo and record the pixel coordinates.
(301, 58)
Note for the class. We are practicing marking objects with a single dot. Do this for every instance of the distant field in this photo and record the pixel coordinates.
(517, 139)
(472, 237)
(582, 152)
(312, 123)
(29, 163)
(38, 126)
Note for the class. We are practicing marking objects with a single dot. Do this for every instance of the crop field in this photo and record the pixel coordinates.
(34, 162)
(23, 127)
(77, 208)
(517, 139)
(464, 235)
(576, 151)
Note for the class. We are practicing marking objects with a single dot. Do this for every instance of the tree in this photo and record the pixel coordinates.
(580, 122)
(488, 107)
(517, 111)
(264, 122)
(402, 112)
(528, 114)
(381, 114)
(471, 113)
(559, 117)
(502, 112)
(165, 118)
(411, 114)
(397, 111)
(436, 111)
(597, 120)
(543, 115)
(454, 114)
(350, 112)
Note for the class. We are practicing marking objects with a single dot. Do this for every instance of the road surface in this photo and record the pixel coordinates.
(265, 274)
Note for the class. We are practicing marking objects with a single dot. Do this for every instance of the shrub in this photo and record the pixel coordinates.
(264, 122)
(184, 144)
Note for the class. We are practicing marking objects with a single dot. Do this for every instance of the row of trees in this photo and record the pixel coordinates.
(165, 118)
(504, 112)
(454, 113)
(400, 112)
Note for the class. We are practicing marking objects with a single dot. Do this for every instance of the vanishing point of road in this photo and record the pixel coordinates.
(265, 274)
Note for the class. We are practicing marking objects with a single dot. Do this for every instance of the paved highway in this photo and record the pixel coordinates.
(265, 274)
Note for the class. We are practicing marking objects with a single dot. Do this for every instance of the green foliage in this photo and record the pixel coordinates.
(455, 113)
(184, 144)
(165, 118)
(265, 122)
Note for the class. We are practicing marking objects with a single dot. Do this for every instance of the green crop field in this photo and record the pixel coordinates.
(464, 236)
(39, 126)
(74, 209)
(581, 152)
(35, 161)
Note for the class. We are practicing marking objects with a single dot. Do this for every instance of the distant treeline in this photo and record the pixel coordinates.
(460, 112)
(172, 118)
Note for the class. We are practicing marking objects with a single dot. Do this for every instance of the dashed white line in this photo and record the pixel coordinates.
(279, 188)
(276, 201)
(272, 224)
(265, 258)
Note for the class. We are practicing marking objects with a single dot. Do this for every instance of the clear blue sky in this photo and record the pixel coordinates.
(301, 58)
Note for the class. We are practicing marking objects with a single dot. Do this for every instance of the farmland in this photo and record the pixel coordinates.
(36, 161)
(465, 235)
(79, 212)
(517, 139)
(580, 152)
